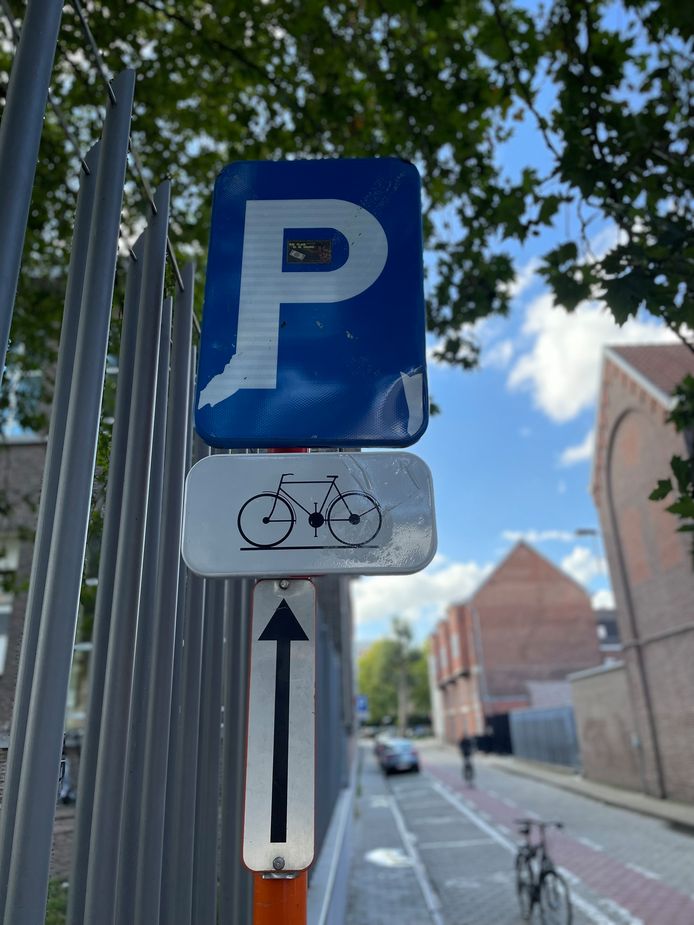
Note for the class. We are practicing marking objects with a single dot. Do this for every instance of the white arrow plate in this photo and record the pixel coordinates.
(280, 758)
(308, 514)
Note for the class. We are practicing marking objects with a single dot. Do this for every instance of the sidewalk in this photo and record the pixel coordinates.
(382, 887)
(667, 810)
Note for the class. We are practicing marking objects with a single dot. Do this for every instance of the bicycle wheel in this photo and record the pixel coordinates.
(555, 902)
(524, 885)
(266, 520)
(354, 518)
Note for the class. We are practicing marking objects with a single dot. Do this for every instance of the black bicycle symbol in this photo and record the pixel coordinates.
(267, 519)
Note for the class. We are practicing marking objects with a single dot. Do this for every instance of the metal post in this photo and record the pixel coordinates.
(164, 617)
(176, 903)
(180, 766)
(145, 648)
(44, 527)
(104, 594)
(235, 880)
(207, 797)
(20, 136)
(27, 885)
(108, 790)
(276, 901)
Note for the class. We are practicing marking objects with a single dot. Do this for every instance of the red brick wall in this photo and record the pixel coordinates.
(534, 623)
(605, 724)
(21, 471)
(652, 576)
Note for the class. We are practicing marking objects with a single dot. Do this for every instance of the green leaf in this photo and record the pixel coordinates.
(662, 491)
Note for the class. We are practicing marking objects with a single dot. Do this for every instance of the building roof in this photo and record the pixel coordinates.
(664, 366)
(521, 547)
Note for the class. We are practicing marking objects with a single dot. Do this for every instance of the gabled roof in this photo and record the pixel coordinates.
(521, 545)
(656, 367)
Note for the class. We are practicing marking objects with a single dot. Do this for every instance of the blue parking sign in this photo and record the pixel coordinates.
(313, 324)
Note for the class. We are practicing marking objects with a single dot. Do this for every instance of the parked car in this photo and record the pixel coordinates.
(397, 755)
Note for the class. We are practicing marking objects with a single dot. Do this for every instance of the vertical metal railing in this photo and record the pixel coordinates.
(46, 516)
(133, 770)
(160, 794)
(20, 136)
(28, 875)
(158, 701)
(104, 597)
(235, 881)
(108, 791)
(204, 886)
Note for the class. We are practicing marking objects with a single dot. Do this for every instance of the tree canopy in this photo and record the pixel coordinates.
(605, 86)
(393, 675)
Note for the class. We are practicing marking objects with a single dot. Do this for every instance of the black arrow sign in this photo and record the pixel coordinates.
(284, 629)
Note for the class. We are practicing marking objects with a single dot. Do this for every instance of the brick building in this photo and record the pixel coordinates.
(21, 472)
(650, 563)
(528, 622)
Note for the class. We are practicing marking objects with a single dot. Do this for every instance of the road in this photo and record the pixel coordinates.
(428, 849)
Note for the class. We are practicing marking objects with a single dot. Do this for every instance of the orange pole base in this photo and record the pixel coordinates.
(280, 902)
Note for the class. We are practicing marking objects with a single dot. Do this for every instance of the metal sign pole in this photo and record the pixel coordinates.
(280, 902)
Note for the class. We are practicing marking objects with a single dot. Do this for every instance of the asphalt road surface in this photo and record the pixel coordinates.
(429, 849)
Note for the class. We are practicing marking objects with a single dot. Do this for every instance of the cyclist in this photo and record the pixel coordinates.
(467, 748)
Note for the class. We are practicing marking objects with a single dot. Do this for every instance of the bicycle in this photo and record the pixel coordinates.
(538, 882)
(468, 771)
(352, 517)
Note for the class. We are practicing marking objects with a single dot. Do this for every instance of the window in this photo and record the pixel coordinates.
(455, 647)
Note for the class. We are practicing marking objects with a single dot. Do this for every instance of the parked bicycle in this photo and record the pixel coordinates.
(352, 517)
(538, 882)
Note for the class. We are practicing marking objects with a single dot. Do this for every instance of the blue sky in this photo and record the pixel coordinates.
(511, 453)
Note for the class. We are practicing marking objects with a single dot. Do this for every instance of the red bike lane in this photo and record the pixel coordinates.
(649, 900)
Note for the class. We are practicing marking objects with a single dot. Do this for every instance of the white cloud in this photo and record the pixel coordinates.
(525, 277)
(582, 452)
(498, 355)
(562, 368)
(603, 599)
(420, 599)
(539, 536)
(583, 565)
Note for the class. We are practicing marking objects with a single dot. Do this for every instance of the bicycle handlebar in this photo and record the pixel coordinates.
(539, 823)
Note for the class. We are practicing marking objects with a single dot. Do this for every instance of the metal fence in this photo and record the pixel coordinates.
(546, 735)
(159, 795)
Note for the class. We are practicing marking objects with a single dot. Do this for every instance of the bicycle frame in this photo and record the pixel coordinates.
(282, 492)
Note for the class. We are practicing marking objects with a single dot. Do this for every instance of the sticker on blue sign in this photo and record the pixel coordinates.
(313, 330)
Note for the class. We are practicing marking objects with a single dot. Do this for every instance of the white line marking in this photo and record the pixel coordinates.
(589, 843)
(470, 843)
(588, 909)
(420, 873)
(511, 803)
(644, 872)
(623, 915)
